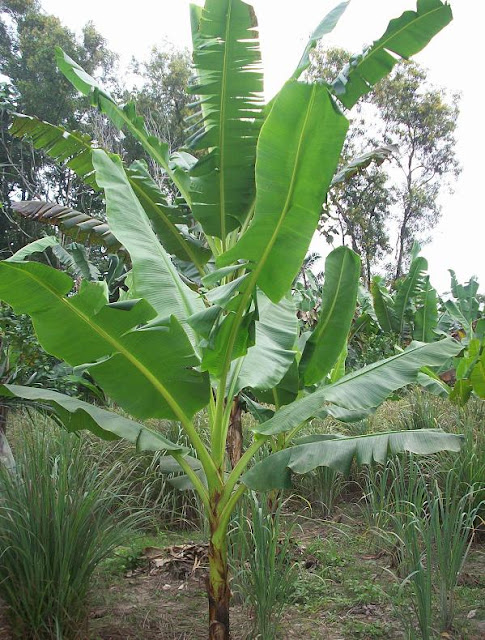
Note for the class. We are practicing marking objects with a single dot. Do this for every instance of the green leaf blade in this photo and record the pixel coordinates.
(298, 151)
(274, 472)
(154, 275)
(77, 415)
(129, 359)
(365, 388)
(326, 26)
(227, 59)
(339, 297)
(404, 37)
(269, 359)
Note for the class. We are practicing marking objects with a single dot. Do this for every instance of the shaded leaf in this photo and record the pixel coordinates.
(37, 246)
(75, 224)
(377, 156)
(339, 297)
(76, 415)
(71, 149)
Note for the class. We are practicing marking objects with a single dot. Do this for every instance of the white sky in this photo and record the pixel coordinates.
(453, 58)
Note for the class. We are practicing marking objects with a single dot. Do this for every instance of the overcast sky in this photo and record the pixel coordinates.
(453, 59)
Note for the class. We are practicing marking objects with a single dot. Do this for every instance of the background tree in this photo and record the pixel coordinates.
(34, 86)
(162, 97)
(359, 210)
(420, 120)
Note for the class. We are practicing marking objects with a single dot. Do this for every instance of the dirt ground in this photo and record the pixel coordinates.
(156, 605)
(340, 594)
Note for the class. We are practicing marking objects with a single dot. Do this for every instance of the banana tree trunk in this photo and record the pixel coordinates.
(234, 442)
(217, 584)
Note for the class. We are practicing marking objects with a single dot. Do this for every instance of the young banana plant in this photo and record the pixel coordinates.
(209, 311)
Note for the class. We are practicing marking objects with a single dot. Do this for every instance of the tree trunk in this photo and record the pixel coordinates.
(218, 587)
(234, 442)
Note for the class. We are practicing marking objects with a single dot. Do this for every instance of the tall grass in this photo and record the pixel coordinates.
(426, 517)
(60, 516)
(451, 529)
(322, 488)
(146, 488)
(468, 465)
(264, 574)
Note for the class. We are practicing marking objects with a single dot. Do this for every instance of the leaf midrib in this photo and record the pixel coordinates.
(114, 343)
(291, 188)
(222, 132)
(319, 331)
(170, 226)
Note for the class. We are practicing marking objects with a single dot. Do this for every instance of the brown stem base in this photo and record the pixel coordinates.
(219, 594)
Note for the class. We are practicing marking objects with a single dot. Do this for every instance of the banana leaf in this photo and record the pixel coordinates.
(338, 453)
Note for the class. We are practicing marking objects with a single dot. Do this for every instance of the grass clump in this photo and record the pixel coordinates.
(264, 572)
(60, 516)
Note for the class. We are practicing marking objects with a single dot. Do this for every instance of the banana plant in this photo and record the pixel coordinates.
(208, 311)
(411, 311)
(464, 316)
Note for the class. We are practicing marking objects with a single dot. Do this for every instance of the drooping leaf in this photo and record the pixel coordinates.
(75, 224)
(72, 149)
(274, 472)
(37, 246)
(339, 296)
(404, 37)
(298, 151)
(258, 411)
(430, 381)
(368, 387)
(154, 275)
(377, 156)
(122, 117)
(76, 415)
(229, 83)
(269, 359)
(147, 370)
(326, 26)
(285, 391)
